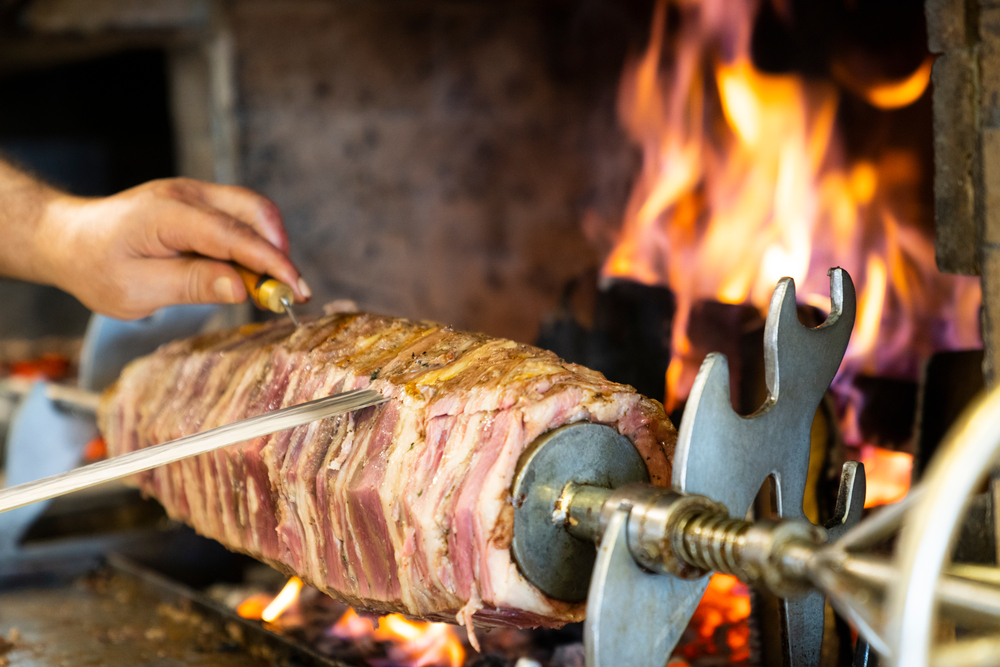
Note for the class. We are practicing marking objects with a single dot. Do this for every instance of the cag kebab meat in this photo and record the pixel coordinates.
(403, 507)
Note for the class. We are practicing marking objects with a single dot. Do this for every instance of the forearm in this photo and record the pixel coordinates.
(24, 202)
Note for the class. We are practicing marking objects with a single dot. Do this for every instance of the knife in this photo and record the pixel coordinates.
(182, 448)
(268, 293)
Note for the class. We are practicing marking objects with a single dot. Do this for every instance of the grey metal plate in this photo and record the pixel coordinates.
(727, 457)
(552, 559)
(634, 617)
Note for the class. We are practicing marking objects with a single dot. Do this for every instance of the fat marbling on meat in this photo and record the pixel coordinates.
(402, 507)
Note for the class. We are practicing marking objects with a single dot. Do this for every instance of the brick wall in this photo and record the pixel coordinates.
(434, 159)
(966, 80)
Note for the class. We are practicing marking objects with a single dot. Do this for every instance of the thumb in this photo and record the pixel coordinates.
(193, 280)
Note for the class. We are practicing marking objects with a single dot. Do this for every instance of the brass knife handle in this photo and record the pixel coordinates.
(266, 292)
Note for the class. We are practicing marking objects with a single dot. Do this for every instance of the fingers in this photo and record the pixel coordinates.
(189, 280)
(233, 223)
(212, 233)
(247, 206)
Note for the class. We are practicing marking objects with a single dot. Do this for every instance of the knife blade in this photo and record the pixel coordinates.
(182, 448)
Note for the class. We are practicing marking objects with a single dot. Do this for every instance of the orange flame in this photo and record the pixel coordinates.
(887, 475)
(890, 94)
(285, 599)
(413, 644)
(95, 450)
(253, 607)
(744, 181)
(269, 608)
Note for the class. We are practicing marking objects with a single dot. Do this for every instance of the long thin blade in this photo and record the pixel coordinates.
(182, 448)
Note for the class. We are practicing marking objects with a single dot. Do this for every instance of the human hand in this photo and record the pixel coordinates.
(162, 243)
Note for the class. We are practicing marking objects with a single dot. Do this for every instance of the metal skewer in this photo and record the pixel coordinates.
(287, 303)
(188, 446)
(63, 395)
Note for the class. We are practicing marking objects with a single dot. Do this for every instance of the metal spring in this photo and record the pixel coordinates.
(711, 541)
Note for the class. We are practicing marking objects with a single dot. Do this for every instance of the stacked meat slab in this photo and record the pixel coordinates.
(402, 507)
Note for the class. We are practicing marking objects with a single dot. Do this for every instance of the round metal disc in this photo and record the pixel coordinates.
(547, 555)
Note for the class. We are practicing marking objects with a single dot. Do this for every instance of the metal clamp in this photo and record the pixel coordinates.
(721, 461)
(655, 543)
(727, 457)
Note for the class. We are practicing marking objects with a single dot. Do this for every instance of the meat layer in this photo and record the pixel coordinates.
(403, 507)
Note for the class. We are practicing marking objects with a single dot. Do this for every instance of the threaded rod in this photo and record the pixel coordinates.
(712, 542)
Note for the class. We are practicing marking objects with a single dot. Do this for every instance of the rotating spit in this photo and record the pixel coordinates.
(585, 484)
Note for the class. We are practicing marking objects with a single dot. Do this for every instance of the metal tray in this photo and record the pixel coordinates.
(85, 609)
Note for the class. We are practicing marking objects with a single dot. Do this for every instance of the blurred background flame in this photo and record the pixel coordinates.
(746, 179)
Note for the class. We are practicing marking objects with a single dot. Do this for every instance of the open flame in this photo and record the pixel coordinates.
(745, 179)
(269, 608)
(280, 604)
(887, 475)
(887, 94)
(253, 607)
(411, 643)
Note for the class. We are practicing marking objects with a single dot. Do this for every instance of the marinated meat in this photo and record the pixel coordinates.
(403, 507)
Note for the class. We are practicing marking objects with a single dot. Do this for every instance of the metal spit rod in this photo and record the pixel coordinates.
(69, 397)
(147, 458)
(786, 557)
(684, 536)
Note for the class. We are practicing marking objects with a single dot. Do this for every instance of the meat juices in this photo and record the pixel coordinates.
(402, 507)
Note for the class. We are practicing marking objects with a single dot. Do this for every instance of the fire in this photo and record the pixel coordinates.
(412, 643)
(288, 595)
(409, 643)
(253, 607)
(726, 603)
(745, 179)
(95, 450)
(890, 94)
(353, 627)
(270, 608)
(887, 475)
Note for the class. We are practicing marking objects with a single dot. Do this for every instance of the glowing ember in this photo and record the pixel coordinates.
(745, 180)
(49, 366)
(887, 475)
(726, 603)
(95, 450)
(288, 595)
(412, 643)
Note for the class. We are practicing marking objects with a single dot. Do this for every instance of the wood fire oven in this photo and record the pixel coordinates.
(626, 183)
